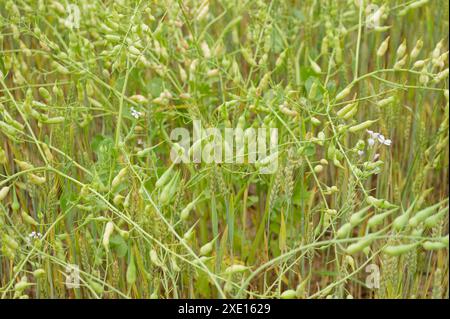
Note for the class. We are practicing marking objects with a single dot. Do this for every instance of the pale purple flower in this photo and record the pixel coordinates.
(379, 137)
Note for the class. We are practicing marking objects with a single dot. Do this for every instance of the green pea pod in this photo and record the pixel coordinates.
(423, 214)
(378, 219)
(341, 113)
(432, 221)
(28, 219)
(4, 192)
(360, 245)
(358, 217)
(164, 178)
(399, 249)
(361, 126)
(131, 271)
(434, 245)
(344, 231)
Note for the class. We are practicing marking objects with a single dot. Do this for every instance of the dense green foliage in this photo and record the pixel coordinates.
(91, 91)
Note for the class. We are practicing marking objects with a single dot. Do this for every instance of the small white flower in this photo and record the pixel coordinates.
(379, 137)
(33, 235)
(360, 153)
(136, 114)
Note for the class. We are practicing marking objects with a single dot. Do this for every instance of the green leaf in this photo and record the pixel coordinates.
(118, 245)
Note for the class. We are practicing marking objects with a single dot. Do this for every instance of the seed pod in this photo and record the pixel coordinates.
(205, 49)
(285, 110)
(434, 245)
(422, 215)
(383, 47)
(164, 178)
(315, 67)
(131, 271)
(185, 212)
(315, 121)
(381, 29)
(212, 73)
(201, 260)
(419, 64)
(35, 179)
(61, 69)
(10, 242)
(28, 219)
(417, 48)
(235, 269)
(399, 249)
(44, 93)
(432, 221)
(401, 50)
(360, 245)
(437, 51)
(38, 273)
(423, 78)
(97, 287)
(118, 199)
(386, 101)
(341, 113)
(24, 165)
(54, 120)
(344, 231)
(344, 93)
(169, 190)
(361, 126)
(318, 169)
(350, 113)
(109, 229)
(47, 152)
(8, 129)
(376, 220)
(188, 235)
(22, 285)
(400, 63)
(154, 258)
(119, 177)
(358, 218)
(125, 234)
(207, 248)
(441, 76)
(133, 50)
(401, 221)
(4, 192)
(288, 294)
